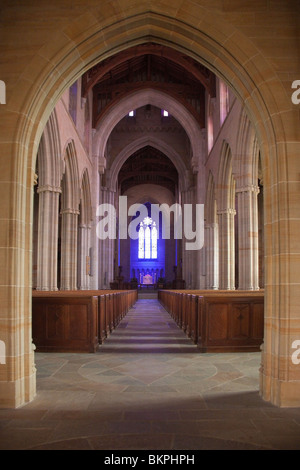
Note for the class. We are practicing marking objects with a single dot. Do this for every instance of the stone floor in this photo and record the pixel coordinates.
(149, 388)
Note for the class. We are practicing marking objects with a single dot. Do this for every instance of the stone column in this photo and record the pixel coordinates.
(111, 245)
(248, 238)
(212, 256)
(226, 249)
(188, 256)
(47, 238)
(106, 249)
(69, 229)
(94, 241)
(84, 260)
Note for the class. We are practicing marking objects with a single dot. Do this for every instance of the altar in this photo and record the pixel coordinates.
(147, 281)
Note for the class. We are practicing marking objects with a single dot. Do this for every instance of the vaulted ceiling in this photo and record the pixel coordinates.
(149, 66)
(148, 166)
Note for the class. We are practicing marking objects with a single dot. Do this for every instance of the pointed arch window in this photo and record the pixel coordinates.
(147, 247)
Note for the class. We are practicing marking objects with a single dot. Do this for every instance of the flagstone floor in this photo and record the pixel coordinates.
(149, 388)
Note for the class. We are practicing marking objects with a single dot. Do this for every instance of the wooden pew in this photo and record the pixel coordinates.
(77, 321)
(218, 321)
(65, 324)
(229, 323)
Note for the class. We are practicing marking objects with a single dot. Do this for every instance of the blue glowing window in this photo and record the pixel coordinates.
(147, 239)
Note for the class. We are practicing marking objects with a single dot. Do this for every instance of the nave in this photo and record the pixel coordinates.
(148, 388)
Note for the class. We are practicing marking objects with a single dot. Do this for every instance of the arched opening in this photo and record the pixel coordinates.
(146, 166)
(69, 59)
(148, 177)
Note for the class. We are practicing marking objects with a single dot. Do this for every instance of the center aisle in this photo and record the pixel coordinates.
(148, 328)
(148, 387)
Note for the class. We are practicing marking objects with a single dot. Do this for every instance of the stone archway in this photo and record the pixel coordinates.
(138, 99)
(54, 59)
(143, 142)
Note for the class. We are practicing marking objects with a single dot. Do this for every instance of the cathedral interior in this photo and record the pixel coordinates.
(150, 220)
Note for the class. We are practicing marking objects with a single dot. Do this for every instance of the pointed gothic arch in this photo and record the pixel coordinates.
(70, 180)
(84, 233)
(86, 201)
(247, 191)
(49, 155)
(226, 213)
(70, 201)
(154, 142)
(49, 166)
(141, 98)
(82, 41)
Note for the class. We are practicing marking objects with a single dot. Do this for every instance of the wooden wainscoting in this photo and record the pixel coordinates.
(77, 321)
(218, 321)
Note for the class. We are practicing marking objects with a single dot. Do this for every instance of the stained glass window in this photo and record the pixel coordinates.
(154, 241)
(141, 242)
(147, 243)
(147, 239)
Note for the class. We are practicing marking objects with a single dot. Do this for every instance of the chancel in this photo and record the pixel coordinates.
(184, 103)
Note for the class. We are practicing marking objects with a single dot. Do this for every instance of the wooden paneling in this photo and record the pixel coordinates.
(65, 324)
(217, 325)
(224, 320)
(77, 321)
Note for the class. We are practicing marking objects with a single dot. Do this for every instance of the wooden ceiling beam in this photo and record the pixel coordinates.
(128, 89)
(197, 70)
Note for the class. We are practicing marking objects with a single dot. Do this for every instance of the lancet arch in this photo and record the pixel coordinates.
(141, 98)
(82, 40)
(144, 141)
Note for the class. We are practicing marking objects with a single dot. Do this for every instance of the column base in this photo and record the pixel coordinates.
(279, 393)
(21, 391)
(18, 393)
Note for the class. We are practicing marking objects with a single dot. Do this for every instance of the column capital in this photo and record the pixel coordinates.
(70, 211)
(48, 188)
(226, 211)
(251, 188)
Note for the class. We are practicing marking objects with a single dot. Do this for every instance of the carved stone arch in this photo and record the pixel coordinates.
(141, 98)
(226, 213)
(226, 182)
(210, 201)
(85, 198)
(248, 249)
(70, 201)
(49, 155)
(46, 217)
(255, 160)
(141, 142)
(70, 181)
(83, 39)
(246, 159)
